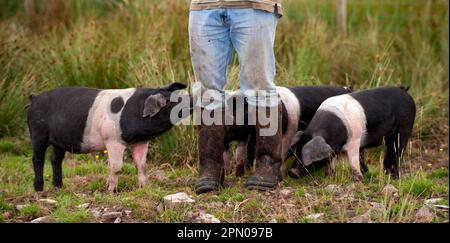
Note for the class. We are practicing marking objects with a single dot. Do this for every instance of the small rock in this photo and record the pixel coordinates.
(433, 201)
(208, 218)
(377, 206)
(285, 192)
(48, 201)
(127, 213)
(315, 216)
(332, 188)
(20, 206)
(307, 195)
(364, 218)
(45, 219)
(178, 198)
(273, 221)
(111, 215)
(390, 190)
(118, 220)
(425, 214)
(84, 206)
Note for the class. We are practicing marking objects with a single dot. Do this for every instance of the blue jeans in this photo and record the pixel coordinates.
(215, 33)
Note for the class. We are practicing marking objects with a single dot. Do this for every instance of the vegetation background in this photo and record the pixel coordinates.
(144, 43)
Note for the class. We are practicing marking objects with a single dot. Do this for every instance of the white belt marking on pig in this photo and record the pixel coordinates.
(352, 115)
(292, 106)
(102, 125)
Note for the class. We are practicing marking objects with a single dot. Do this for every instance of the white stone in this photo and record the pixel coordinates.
(84, 206)
(315, 216)
(20, 206)
(208, 218)
(177, 198)
(433, 201)
(45, 219)
(332, 188)
(48, 201)
(273, 221)
(118, 220)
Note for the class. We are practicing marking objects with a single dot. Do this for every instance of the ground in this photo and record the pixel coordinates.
(315, 198)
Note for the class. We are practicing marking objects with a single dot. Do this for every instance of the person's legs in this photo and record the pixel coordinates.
(253, 36)
(211, 53)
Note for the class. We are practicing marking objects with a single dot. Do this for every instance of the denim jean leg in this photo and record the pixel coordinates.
(211, 51)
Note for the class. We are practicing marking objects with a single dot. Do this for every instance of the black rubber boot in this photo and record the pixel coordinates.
(268, 155)
(210, 148)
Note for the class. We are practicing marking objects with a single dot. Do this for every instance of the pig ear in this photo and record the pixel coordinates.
(296, 138)
(174, 86)
(153, 104)
(315, 150)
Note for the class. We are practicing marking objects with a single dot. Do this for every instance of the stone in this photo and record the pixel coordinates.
(377, 206)
(390, 190)
(273, 221)
(48, 201)
(45, 219)
(127, 213)
(425, 214)
(84, 206)
(208, 218)
(111, 215)
(363, 218)
(118, 220)
(315, 216)
(177, 198)
(19, 206)
(285, 192)
(332, 188)
(433, 201)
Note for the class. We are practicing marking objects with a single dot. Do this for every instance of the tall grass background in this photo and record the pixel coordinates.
(144, 43)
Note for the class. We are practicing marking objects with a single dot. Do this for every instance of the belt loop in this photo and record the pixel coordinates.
(276, 9)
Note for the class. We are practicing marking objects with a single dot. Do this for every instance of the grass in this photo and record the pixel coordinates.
(143, 43)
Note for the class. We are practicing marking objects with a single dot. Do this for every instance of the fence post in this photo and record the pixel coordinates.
(342, 16)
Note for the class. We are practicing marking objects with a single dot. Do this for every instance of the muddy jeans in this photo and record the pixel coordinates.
(214, 34)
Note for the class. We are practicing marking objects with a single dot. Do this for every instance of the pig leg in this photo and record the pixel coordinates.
(139, 153)
(362, 161)
(227, 161)
(115, 154)
(354, 160)
(329, 171)
(241, 158)
(40, 145)
(57, 158)
(251, 145)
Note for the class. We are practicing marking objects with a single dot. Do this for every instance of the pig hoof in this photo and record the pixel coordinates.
(358, 178)
(142, 182)
(207, 184)
(239, 171)
(294, 173)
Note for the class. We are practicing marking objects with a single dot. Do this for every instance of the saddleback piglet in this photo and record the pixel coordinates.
(83, 120)
(359, 120)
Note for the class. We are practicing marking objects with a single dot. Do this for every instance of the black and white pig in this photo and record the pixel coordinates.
(299, 105)
(83, 120)
(353, 122)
